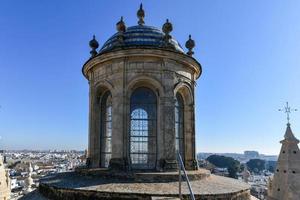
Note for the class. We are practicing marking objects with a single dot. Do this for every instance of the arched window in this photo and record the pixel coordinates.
(179, 131)
(106, 128)
(143, 129)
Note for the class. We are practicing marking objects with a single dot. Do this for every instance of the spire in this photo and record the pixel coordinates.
(289, 136)
(141, 15)
(286, 180)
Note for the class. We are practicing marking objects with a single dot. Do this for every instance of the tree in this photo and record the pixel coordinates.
(256, 165)
(231, 164)
(271, 165)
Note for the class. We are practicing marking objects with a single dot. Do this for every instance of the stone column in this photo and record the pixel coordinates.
(189, 133)
(170, 162)
(118, 161)
(89, 151)
(94, 147)
(160, 135)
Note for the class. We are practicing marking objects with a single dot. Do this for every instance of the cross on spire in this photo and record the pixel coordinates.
(287, 110)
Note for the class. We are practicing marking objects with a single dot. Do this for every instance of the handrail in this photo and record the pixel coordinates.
(181, 167)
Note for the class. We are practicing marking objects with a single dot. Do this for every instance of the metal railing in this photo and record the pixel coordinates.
(181, 168)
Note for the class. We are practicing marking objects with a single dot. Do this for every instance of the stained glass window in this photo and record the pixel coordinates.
(143, 129)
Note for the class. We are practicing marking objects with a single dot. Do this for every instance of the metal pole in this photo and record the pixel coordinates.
(180, 179)
(186, 177)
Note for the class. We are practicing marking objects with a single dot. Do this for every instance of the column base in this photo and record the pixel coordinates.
(191, 164)
(169, 165)
(118, 164)
(88, 163)
(91, 163)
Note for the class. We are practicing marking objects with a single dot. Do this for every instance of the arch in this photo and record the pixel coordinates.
(105, 129)
(143, 126)
(179, 125)
(186, 92)
(96, 92)
(145, 81)
(103, 86)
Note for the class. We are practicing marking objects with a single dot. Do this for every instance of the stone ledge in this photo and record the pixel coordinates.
(149, 176)
(75, 186)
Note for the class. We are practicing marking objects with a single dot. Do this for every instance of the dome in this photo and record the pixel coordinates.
(140, 36)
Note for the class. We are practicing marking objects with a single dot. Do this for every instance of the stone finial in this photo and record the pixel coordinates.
(141, 15)
(167, 29)
(121, 27)
(190, 44)
(94, 45)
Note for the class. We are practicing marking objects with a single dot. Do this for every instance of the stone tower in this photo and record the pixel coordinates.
(141, 91)
(246, 174)
(4, 182)
(29, 181)
(286, 181)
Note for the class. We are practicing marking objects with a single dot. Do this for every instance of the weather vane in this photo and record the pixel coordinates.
(287, 109)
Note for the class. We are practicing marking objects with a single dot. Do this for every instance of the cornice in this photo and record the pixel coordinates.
(142, 52)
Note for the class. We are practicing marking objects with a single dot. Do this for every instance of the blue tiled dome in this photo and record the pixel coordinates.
(140, 35)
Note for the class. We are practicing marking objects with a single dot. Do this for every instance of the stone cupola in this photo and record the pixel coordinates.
(142, 99)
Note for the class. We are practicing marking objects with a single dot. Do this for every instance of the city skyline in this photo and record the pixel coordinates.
(248, 51)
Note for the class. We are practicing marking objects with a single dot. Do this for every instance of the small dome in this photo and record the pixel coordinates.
(141, 35)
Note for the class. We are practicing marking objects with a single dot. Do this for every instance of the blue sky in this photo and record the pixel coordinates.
(249, 51)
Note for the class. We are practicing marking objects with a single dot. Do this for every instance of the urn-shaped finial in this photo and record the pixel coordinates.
(167, 29)
(141, 15)
(190, 44)
(94, 45)
(121, 27)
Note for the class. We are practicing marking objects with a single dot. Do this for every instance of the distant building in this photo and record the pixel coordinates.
(286, 181)
(251, 154)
